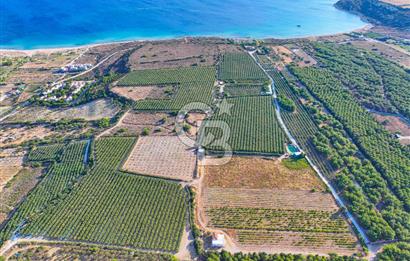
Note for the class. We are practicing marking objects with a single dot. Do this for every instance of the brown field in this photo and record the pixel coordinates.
(9, 167)
(16, 136)
(342, 243)
(158, 124)
(94, 110)
(260, 173)
(133, 123)
(390, 52)
(162, 156)
(283, 53)
(142, 92)
(401, 3)
(178, 53)
(17, 189)
(393, 124)
(248, 191)
(268, 198)
(306, 61)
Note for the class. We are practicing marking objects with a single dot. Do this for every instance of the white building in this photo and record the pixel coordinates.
(218, 241)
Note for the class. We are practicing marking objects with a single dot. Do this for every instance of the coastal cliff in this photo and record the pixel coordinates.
(378, 12)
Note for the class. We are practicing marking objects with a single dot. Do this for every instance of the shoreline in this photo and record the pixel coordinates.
(49, 50)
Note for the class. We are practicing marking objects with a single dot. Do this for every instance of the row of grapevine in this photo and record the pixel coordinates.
(186, 93)
(111, 207)
(252, 125)
(239, 67)
(55, 186)
(45, 153)
(277, 219)
(168, 76)
(195, 84)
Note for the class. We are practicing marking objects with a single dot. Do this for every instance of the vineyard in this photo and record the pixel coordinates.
(57, 183)
(328, 141)
(122, 205)
(277, 219)
(264, 206)
(45, 153)
(237, 90)
(239, 67)
(195, 84)
(253, 127)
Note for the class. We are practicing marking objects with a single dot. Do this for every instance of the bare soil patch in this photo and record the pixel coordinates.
(16, 136)
(260, 173)
(284, 53)
(393, 124)
(16, 189)
(177, 53)
(390, 52)
(134, 123)
(9, 167)
(306, 60)
(162, 156)
(94, 110)
(136, 93)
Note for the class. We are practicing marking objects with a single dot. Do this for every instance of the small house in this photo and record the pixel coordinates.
(218, 241)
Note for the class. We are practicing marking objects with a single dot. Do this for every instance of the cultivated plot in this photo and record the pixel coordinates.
(162, 156)
(253, 127)
(9, 167)
(264, 205)
(194, 84)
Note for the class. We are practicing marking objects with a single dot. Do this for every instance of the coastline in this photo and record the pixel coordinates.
(49, 50)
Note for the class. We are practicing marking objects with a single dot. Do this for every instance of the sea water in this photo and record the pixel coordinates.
(28, 24)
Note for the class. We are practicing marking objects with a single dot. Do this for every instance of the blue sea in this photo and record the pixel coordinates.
(29, 24)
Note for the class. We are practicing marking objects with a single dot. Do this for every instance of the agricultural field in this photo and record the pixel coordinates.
(264, 205)
(17, 188)
(74, 204)
(91, 111)
(162, 156)
(9, 167)
(260, 173)
(369, 202)
(137, 93)
(253, 127)
(239, 67)
(45, 153)
(238, 90)
(194, 84)
(178, 53)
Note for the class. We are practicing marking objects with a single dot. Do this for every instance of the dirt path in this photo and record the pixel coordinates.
(111, 128)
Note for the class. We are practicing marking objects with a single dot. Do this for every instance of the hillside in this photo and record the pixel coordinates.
(378, 12)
